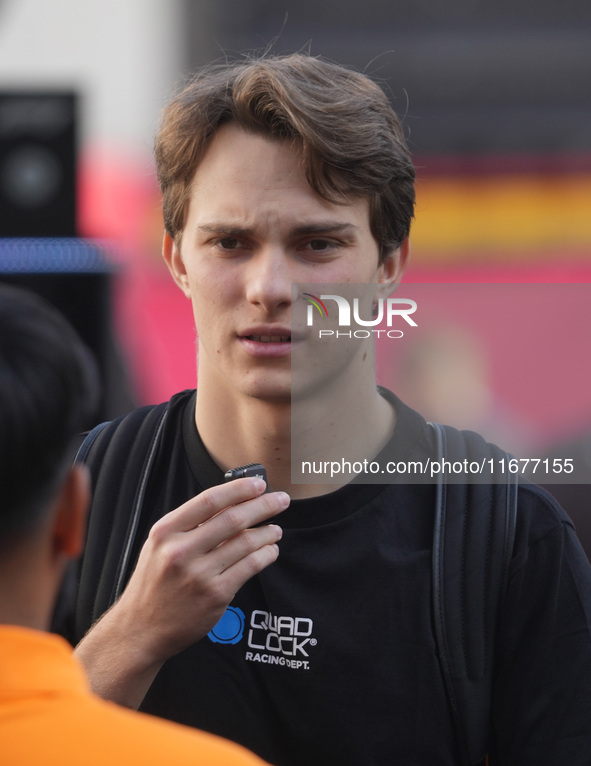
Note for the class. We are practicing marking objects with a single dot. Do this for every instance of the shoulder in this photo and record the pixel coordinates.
(136, 419)
(132, 432)
(542, 525)
(107, 730)
(539, 509)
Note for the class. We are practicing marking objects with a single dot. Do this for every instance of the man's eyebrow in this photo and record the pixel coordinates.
(325, 227)
(224, 228)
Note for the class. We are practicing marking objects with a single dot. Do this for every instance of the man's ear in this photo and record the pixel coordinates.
(392, 269)
(175, 263)
(71, 506)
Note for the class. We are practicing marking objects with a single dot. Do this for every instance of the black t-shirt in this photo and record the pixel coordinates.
(329, 657)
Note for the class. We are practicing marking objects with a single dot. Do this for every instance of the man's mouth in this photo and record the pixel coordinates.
(270, 338)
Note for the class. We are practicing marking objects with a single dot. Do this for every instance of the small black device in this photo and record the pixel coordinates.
(250, 469)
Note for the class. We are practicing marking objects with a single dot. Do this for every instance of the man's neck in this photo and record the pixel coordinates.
(238, 430)
(27, 587)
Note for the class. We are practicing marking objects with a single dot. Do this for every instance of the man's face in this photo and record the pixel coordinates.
(253, 227)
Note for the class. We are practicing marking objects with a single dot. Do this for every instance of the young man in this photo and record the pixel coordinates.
(47, 713)
(278, 172)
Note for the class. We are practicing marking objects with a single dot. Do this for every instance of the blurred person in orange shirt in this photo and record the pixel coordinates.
(47, 712)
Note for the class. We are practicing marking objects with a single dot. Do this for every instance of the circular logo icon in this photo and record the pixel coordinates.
(230, 627)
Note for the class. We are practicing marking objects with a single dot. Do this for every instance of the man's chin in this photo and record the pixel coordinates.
(273, 393)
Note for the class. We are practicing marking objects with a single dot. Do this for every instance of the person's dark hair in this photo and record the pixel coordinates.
(351, 141)
(48, 392)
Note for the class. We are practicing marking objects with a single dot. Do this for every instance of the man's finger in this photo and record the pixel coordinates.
(211, 501)
(242, 546)
(235, 519)
(247, 567)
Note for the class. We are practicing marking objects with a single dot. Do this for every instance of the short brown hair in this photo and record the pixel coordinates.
(351, 141)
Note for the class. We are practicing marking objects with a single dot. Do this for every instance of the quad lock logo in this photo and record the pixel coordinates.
(390, 308)
(271, 639)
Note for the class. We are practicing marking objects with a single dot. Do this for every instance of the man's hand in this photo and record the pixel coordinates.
(194, 561)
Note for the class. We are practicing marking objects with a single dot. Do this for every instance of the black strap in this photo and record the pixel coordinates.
(472, 547)
(89, 440)
(120, 455)
(136, 511)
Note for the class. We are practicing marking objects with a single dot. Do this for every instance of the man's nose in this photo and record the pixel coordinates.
(269, 280)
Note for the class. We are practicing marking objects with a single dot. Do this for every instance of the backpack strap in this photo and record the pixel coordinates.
(138, 504)
(473, 540)
(120, 455)
(89, 440)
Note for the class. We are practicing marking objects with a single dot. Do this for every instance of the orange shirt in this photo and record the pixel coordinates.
(48, 716)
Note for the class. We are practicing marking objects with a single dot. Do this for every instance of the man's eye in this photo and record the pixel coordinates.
(319, 245)
(229, 243)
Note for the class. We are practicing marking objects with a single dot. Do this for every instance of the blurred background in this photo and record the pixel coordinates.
(496, 102)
